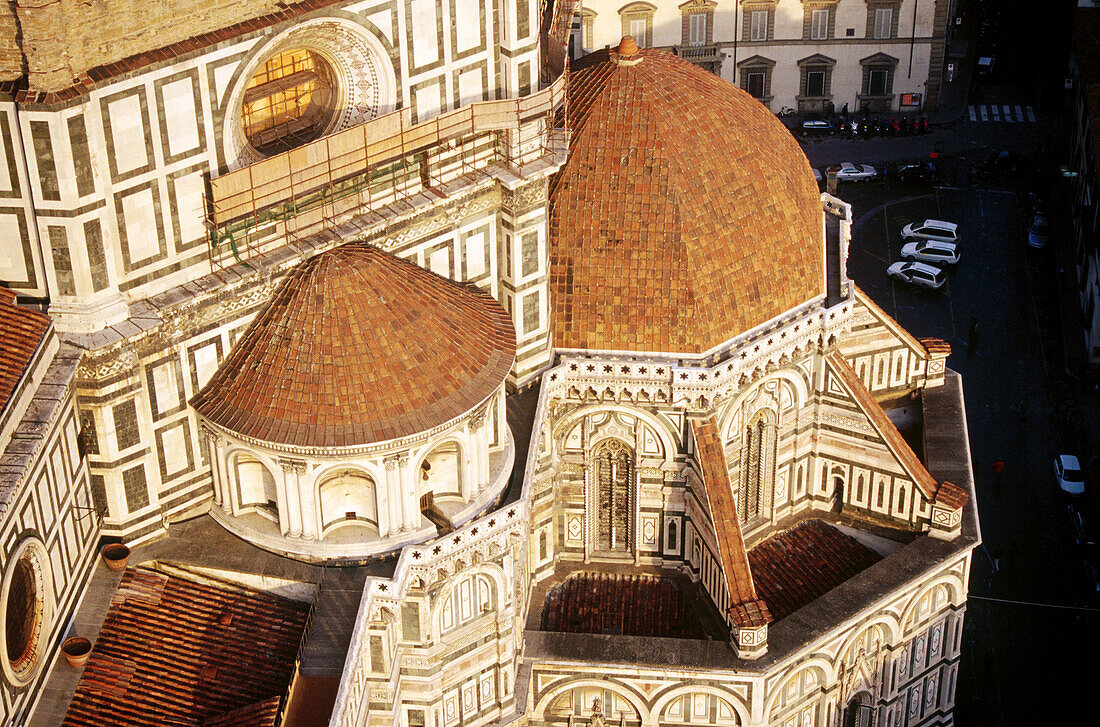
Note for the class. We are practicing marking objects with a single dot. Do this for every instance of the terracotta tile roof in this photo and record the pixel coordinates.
(951, 496)
(896, 443)
(804, 563)
(936, 346)
(634, 605)
(175, 652)
(259, 714)
(360, 346)
(21, 330)
(685, 215)
(723, 510)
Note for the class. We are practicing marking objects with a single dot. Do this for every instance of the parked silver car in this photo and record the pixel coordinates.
(931, 251)
(921, 275)
(931, 230)
(848, 172)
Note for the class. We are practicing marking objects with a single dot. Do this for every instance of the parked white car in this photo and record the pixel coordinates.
(931, 230)
(1067, 471)
(848, 172)
(931, 251)
(922, 275)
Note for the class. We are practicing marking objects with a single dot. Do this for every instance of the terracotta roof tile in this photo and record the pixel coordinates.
(164, 656)
(685, 215)
(804, 563)
(635, 605)
(359, 346)
(896, 443)
(21, 330)
(951, 496)
(723, 510)
(936, 346)
(259, 714)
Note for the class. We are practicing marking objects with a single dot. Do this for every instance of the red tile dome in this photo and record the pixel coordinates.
(685, 215)
(359, 346)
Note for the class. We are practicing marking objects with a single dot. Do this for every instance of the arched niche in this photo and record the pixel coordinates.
(587, 700)
(347, 497)
(254, 483)
(442, 472)
(698, 707)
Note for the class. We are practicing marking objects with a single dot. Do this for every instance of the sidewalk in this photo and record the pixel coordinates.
(955, 94)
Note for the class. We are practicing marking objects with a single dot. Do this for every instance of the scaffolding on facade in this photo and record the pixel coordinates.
(377, 170)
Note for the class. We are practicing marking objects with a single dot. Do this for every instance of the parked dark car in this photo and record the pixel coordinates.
(916, 171)
(817, 127)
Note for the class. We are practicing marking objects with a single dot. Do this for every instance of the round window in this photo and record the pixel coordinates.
(22, 614)
(25, 612)
(288, 102)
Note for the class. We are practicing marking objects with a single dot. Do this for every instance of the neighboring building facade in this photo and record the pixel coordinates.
(1084, 152)
(323, 274)
(812, 56)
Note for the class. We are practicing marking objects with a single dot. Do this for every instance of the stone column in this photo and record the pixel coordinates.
(307, 493)
(282, 506)
(472, 480)
(292, 471)
(393, 493)
(209, 439)
(411, 505)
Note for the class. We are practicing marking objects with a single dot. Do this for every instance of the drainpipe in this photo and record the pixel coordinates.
(736, 29)
(913, 36)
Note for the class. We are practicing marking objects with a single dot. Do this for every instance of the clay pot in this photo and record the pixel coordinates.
(115, 555)
(77, 651)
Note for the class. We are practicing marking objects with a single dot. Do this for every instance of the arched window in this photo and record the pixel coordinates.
(757, 470)
(591, 702)
(288, 101)
(347, 496)
(469, 599)
(859, 712)
(255, 483)
(613, 478)
(698, 708)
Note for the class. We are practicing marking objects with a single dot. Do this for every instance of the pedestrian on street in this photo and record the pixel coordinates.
(998, 468)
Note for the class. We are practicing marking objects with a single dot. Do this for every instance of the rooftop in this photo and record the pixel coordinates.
(21, 330)
(359, 346)
(190, 653)
(800, 565)
(678, 174)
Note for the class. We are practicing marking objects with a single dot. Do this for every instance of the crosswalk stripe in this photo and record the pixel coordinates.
(1005, 112)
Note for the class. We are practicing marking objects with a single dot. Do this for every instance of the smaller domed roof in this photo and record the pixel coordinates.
(359, 346)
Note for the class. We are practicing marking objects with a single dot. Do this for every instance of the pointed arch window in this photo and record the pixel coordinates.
(613, 477)
(757, 469)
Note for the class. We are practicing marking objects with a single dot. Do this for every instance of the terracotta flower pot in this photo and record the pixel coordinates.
(115, 555)
(77, 651)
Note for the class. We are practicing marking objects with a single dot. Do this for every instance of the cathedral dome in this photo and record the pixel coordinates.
(685, 215)
(359, 346)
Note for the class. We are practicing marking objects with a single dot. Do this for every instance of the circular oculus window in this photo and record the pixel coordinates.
(25, 612)
(289, 101)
